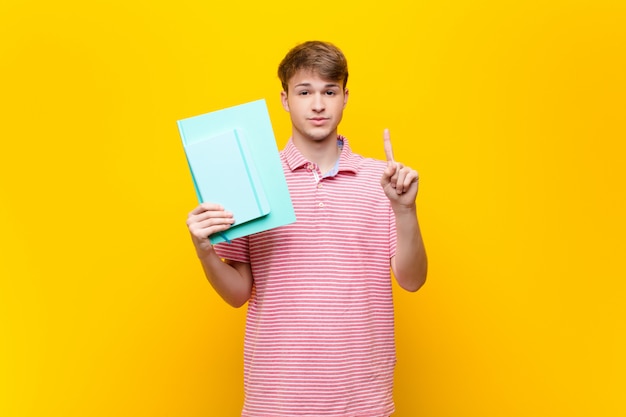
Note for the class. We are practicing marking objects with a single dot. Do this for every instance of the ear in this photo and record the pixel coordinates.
(346, 93)
(284, 101)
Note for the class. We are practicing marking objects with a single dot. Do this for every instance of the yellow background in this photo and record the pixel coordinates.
(513, 113)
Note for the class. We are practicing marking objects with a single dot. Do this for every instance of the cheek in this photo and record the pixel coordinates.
(296, 108)
(339, 110)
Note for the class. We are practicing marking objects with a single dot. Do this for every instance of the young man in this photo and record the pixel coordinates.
(320, 328)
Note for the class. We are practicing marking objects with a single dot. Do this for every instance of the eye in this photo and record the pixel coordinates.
(303, 93)
(330, 93)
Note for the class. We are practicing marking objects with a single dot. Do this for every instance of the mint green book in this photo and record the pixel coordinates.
(224, 172)
(234, 161)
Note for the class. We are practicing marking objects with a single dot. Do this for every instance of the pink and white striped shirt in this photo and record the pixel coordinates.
(320, 327)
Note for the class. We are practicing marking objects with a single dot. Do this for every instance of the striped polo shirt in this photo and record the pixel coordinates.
(320, 325)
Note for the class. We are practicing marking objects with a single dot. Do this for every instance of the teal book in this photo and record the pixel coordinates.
(224, 171)
(234, 161)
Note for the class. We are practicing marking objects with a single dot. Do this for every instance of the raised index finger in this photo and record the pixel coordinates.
(388, 148)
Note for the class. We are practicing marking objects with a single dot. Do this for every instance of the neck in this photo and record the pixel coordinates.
(323, 153)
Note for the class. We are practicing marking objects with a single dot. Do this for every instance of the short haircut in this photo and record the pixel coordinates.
(322, 58)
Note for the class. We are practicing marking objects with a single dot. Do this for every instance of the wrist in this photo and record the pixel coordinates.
(204, 249)
(404, 210)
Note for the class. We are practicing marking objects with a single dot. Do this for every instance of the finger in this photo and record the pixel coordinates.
(401, 180)
(214, 220)
(204, 228)
(215, 215)
(212, 211)
(207, 207)
(411, 179)
(387, 143)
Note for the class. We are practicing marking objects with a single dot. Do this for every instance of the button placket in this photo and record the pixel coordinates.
(319, 180)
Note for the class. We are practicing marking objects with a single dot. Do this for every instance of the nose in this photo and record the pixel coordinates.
(318, 103)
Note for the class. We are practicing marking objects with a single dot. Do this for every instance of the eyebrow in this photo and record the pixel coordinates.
(309, 85)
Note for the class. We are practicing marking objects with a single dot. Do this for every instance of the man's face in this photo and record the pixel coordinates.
(315, 106)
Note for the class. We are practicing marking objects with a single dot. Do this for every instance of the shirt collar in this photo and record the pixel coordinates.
(348, 161)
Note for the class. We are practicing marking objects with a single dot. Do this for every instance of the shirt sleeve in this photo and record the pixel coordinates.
(237, 250)
(393, 236)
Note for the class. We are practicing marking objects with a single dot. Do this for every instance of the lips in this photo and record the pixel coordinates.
(317, 121)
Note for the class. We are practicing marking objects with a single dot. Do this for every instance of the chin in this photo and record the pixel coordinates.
(318, 136)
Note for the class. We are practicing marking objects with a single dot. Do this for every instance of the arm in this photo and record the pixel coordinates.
(231, 280)
(410, 264)
(400, 184)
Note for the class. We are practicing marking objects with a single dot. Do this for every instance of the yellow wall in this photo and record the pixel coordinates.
(513, 112)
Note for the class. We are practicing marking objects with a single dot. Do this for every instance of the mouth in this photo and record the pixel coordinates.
(317, 121)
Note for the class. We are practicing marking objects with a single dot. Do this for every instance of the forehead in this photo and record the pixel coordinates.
(312, 78)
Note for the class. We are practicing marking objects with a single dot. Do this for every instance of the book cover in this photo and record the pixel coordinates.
(234, 161)
(224, 171)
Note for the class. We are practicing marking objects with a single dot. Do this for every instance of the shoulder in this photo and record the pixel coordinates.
(369, 166)
(360, 164)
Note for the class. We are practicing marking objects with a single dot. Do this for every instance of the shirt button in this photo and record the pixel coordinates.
(321, 204)
(319, 185)
(309, 167)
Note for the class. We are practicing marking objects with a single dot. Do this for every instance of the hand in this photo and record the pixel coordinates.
(400, 183)
(205, 220)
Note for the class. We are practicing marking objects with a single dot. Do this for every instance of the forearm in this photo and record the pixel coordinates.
(410, 264)
(232, 281)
